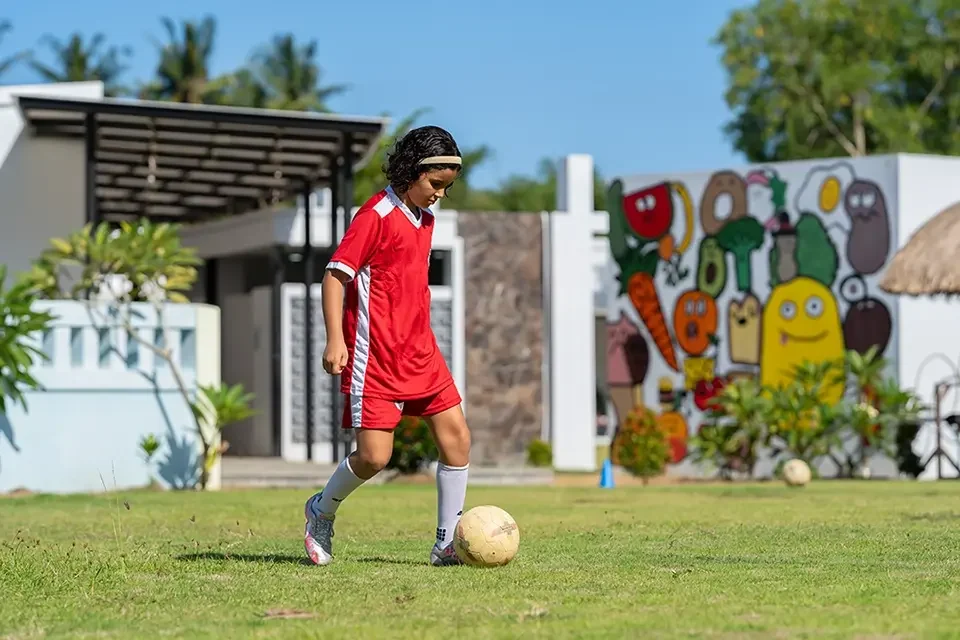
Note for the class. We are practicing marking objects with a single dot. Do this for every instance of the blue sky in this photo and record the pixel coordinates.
(635, 83)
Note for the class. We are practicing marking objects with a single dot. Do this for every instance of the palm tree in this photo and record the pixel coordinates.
(183, 73)
(370, 179)
(76, 62)
(290, 76)
(244, 89)
(7, 63)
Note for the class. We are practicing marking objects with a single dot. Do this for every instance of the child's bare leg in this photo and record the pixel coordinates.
(374, 448)
(450, 432)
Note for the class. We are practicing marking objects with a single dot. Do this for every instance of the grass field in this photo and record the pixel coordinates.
(833, 560)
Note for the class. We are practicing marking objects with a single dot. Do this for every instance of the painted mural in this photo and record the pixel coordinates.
(744, 273)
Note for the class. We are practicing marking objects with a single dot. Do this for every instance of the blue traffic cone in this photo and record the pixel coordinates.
(606, 475)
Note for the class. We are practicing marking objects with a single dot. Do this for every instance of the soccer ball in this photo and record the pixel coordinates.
(796, 473)
(486, 536)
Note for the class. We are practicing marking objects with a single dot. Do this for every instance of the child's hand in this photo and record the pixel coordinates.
(335, 357)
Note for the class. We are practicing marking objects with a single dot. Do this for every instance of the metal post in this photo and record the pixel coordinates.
(308, 318)
(91, 210)
(938, 398)
(90, 148)
(346, 200)
(211, 280)
(347, 179)
(334, 380)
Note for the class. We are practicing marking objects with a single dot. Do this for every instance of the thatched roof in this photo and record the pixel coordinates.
(929, 264)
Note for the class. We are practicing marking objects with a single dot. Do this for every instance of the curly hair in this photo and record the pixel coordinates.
(403, 166)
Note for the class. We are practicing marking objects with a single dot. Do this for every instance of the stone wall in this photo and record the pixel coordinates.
(504, 333)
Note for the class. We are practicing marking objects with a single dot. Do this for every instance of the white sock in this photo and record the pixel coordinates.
(451, 494)
(342, 483)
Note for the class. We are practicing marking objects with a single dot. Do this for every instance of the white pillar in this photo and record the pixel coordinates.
(572, 383)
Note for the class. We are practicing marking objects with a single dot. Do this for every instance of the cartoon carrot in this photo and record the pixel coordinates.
(665, 247)
(643, 295)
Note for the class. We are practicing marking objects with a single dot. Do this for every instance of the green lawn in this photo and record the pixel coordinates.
(834, 560)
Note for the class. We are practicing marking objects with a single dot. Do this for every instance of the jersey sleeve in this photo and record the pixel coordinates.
(358, 244)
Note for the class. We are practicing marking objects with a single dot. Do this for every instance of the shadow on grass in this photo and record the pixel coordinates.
(281, 558)
(383, 560)
(932, 517)
(255, 558)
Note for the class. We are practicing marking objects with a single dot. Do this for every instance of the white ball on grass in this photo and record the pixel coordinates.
(486, 536)
(796, 473)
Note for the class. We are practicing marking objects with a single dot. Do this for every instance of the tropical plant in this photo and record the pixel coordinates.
(183, 71)
(290, 76)
(370, 179)
(800, 424)
(149, 445)
(741, 412)
(10, 61)
(539, 192)
(143, 262)
(138, 262)
(78, 61)
(214, 408)
(244, 89)
(21, 324)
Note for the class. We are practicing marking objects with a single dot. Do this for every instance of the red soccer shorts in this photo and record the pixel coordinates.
(376, 413)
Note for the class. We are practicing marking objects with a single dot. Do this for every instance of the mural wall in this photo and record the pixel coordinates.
(744, 273)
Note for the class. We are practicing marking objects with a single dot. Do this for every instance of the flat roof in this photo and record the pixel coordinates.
(192, 162)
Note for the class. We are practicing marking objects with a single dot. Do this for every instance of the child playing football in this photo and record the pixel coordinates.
(380, 341)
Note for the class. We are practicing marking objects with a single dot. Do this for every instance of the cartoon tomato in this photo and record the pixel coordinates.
(649, 212)
(705, 391)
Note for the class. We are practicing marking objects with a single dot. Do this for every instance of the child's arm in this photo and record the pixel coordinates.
(335, 353)
(355, 251)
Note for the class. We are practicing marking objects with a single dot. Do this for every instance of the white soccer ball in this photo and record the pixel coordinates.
(796, 473)
(486, 536)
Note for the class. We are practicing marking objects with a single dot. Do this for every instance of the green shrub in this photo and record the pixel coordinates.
(640, 446)
(737, 426)
(794, 422)
(18, 355)
(413, 446)
(539, 453)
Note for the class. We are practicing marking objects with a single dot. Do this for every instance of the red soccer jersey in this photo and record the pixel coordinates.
(393, 353)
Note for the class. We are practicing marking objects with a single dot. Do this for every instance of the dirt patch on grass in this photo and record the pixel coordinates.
(287, 614)
(17, 493)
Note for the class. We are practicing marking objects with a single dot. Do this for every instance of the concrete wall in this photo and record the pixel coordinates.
(929, 342)
(102, 393)
(504, 336)
(41, 179)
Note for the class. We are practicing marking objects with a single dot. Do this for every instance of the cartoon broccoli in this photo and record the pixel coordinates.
(741, 237)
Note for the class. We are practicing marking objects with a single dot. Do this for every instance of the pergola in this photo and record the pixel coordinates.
(188, 163)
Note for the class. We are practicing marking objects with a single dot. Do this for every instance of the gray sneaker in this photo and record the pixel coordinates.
(445, 557)
(318, 532)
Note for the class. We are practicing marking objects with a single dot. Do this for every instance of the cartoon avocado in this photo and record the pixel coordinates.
(711, 268)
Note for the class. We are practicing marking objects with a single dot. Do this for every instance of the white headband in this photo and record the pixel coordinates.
(442, 160)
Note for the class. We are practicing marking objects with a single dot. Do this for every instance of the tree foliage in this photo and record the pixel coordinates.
(820, 78)
(183, 71)
(77, 60)
(7, 62)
